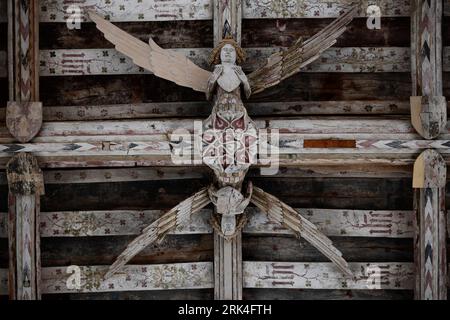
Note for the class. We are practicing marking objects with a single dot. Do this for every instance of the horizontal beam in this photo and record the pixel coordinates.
(305, 141)
(274, 9)
(333, 222)
(159, 129)
(152, 10)
(108, 61)
(199, 275)
(132, 10)
(111, 175)
(203, 109)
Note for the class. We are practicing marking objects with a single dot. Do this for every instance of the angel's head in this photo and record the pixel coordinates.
(228, 51)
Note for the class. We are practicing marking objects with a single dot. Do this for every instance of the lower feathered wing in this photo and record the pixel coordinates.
(282, 65)
(160, 227)
(163, 63)
(280, 212)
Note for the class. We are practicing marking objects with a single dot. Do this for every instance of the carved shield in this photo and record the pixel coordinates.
(24, 119)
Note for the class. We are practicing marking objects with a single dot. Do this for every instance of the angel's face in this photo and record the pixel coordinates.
(228, 54)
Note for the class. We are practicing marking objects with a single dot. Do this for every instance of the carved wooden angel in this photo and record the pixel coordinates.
(229, 135)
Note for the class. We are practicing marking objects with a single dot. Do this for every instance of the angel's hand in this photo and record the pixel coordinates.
(240, 73)
(217, 71)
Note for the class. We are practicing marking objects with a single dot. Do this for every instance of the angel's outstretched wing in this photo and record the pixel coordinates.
(282, 65)
(160, 227)
(163, 63)
(280, 212)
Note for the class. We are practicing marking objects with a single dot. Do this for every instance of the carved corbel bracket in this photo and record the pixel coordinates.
(24, 119)
(24, 175)
(429, 115)
(430, 170)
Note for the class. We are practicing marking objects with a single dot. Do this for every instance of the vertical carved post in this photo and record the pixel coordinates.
(428, 106)
(26, 185)
(24, 112)
(430, 226)
(227, 253)
(429, 118)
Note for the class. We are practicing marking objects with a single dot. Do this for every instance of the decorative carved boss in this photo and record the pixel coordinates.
(229, 135)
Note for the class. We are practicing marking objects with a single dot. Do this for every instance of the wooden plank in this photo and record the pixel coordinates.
(121, 175)
(183, 173)
(199, 275)
(128, 89)
(181, 294)
(77, 62)
(87, 251)
(101, 61)
(133, 10)
(134, 278)
(379, 129)
(197, 109)
(394, 32)
(332, 222)
(167, 34)
(305, 294)
(274, 9)
(292, 144)
(151, 10)
(292, 275)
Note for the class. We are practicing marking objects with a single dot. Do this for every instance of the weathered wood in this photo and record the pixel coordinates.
(228, 268)
(168, 34)
(429, 115)
(150, 10)
(228, 276)
(134, 278)
(325, 276)
(288, 248)
(25, 188)
(258, 274)
(134, 10)
(273, 9)
(24, 111)
(199, 275)
(395, 32)
(317, 294)
(197, 109)
(158, 229)
(430, 227)
(181, 294)
(126, 89)
(332, 222)
(84, 251)
(428, 106)
(78, 62)
(3, 64)
(163, 63)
